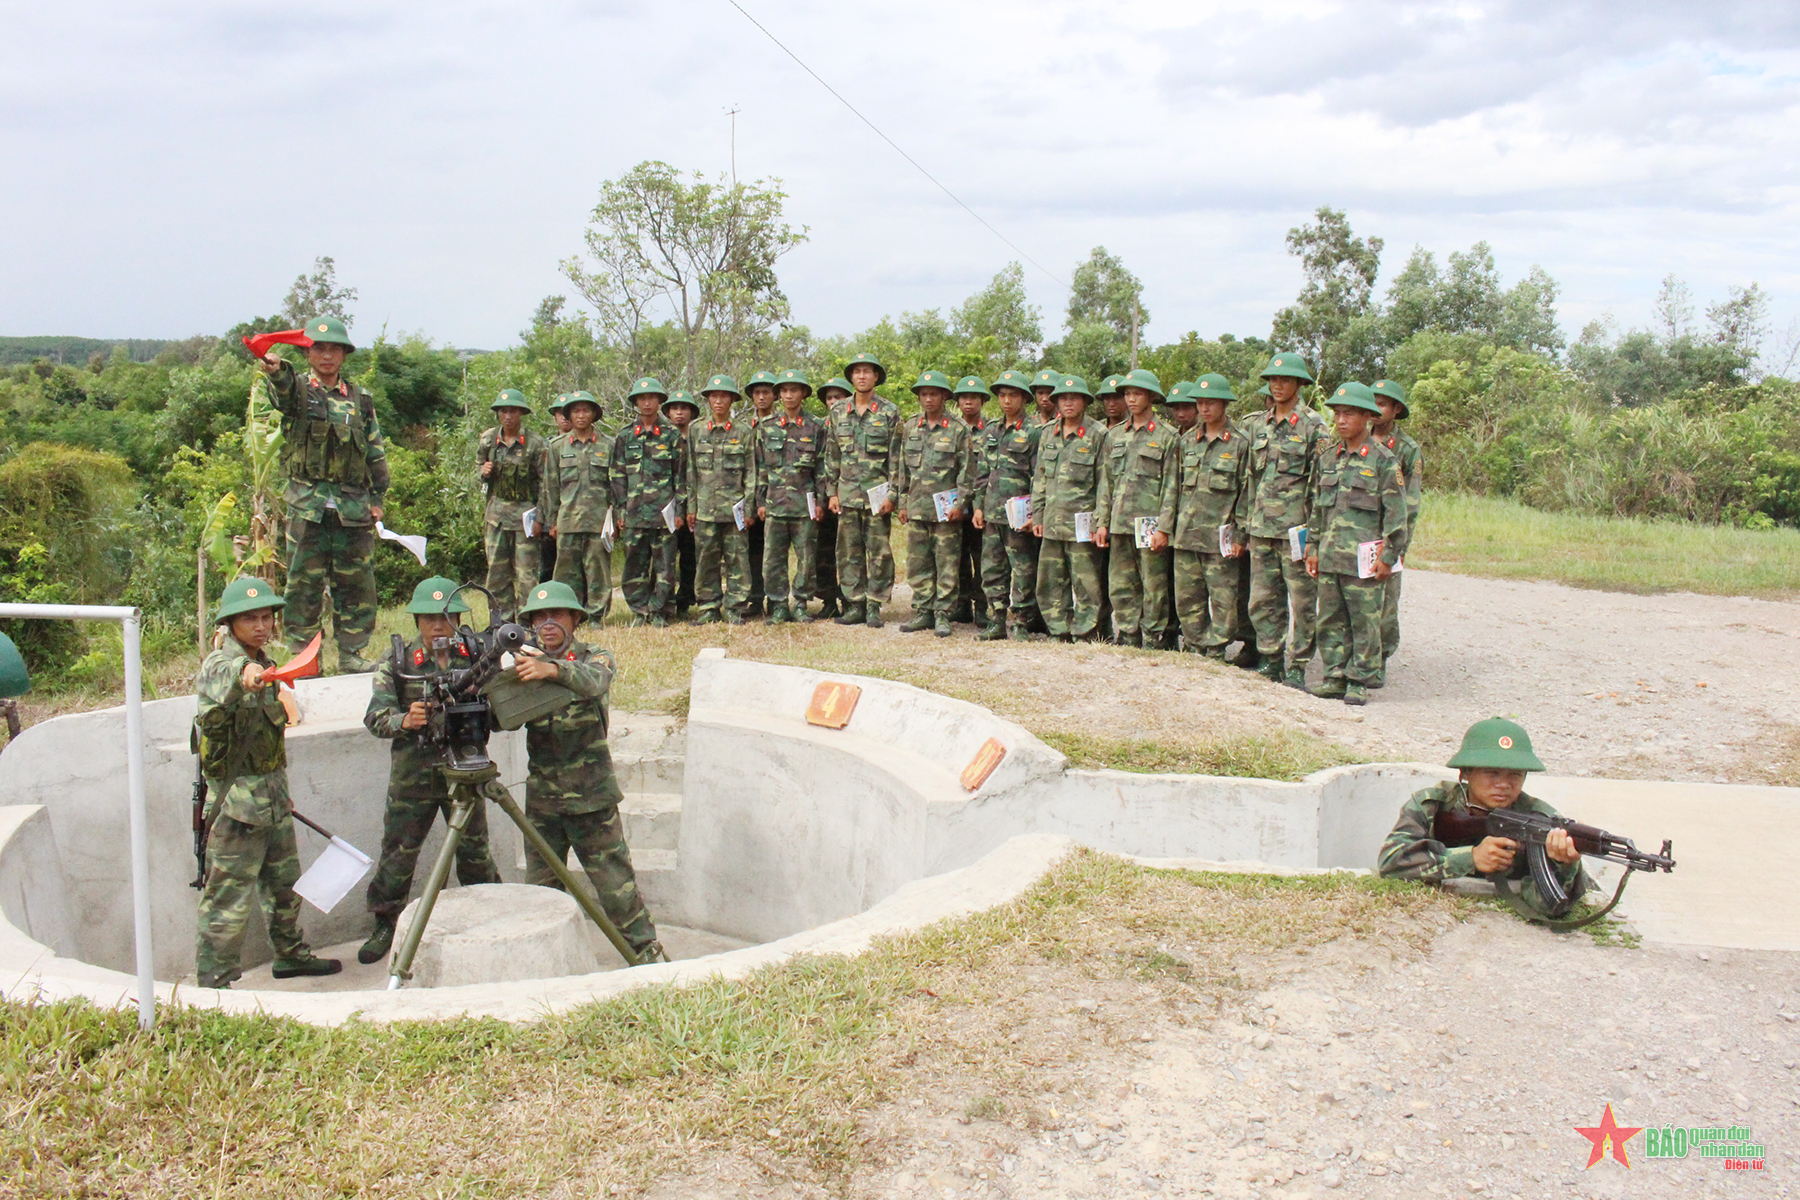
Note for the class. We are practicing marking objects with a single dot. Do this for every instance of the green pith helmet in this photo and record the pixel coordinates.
(1290, 364)
(1070, 384)
(330, 329)
(15, 680)
(511, 398)
(1047, 379)
(1142, 378)
(558, 404)
(972, 385)
(1179, 393)
(676, 398)
(795, 375)
(554, 594)
(437, 597)
(575, 398)
(722, 383)
(1498, 743)
(1014, 379)
(1263, 391)
(247, 595)
(767, 377)
(1109, 387)
(1211, 386)
(1354, 395)
(936, 379)
(649, 385)
(838, 382)
(1394, 392)
(871, 360)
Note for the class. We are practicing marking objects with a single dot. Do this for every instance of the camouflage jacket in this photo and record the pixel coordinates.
(578, 484)
(937, 456)
(789, 461)
(647, 473)
(413, 763)
(517, 483)
(1359, 498)
(571, 767)
(1138, 472)
(721, 469)
(1412, 473)
(862, 451)
(1211, 488)
(1066, 479)
(1010, 454)
(1410, 852)
(253, 799)
(1284, 459)
(332, 449)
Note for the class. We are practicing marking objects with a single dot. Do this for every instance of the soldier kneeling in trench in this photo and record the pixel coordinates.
(572, 794)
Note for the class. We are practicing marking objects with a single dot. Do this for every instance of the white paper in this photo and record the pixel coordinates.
(1018, 512)
(1084, 527)
(737, 513)
(529, 519)
(943, 502)
(414, 542)
(1297, 542)
(1225, 540)
(878, 496)
(671, 514)
(332, 875)
(609, 533)
(1144, 528)
(1367, 555)
(812, 506)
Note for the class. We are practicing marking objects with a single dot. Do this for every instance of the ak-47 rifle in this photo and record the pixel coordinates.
(199, 827)
(1528, 830)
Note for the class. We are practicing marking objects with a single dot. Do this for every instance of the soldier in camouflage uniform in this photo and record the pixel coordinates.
(1392, 399)
(546, 543)
(1491, 764)
(417, 789)
(1181, 411)
(1359, 499)
(336, 464)
(577, 504)
(1009, 556)
(1112, 404)
(1208, 512)
(790, 449)
(760, 391)
(1138, 472)
(1285, 440)
(647, 475)
(1044, 393)
(721, 494)
(862, 452)
(682, 409)
(510, 462)
(825, 586)
(239, 731)
(1065, 485)
(971, 394)
(572, 794)
(936, 457)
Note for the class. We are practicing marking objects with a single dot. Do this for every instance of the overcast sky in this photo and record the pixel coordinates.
(170, 167)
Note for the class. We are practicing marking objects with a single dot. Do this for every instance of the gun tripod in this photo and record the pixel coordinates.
(467, 789)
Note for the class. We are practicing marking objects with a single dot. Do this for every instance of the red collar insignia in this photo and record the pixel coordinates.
(418, 658)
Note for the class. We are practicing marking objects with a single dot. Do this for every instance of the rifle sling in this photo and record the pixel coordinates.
(1503, 888)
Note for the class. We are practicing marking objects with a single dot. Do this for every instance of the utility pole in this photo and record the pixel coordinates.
(1134, 331)
(733, 114)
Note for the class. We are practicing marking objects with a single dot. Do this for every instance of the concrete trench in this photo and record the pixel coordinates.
(756, 836)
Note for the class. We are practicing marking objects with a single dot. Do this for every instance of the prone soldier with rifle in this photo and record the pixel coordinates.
(1485, 825)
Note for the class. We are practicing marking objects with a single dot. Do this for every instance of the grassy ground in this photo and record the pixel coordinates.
(782, 1069)
(1498, 539)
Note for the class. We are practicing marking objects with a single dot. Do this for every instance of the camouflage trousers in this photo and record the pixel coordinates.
(1103, 621)
(1390, 615)
(408, 819)
(968, 566)
(1138, 582)
(1068, 587)
(1009, 563)
(753, 539)
(650, 570)
(865, 555)
(598, 839)
(330, 556)
(932, 549)
(585, 564)
(1283, 600)
(1242, 628)
(825, 579)
(721, 567)
(513, 563)
(684, 575)
(247, 865)
(1349, 628)
(800, 535)
(1206, 597)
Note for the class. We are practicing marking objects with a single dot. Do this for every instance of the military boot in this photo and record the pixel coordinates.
(995, 629)
(963, 613)
(799, 615)
(1296, 678)
(1330, 689)
(778, 615)
(853, 614)
(293, 968)
(942, 625)
(874, 617)
(1247, 657)
(1356, 695)
(921, 621)
(379, 943)
(829, 608)
(1018, 629)
(1271, 669)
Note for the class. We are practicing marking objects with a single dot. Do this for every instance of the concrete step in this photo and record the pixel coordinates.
(652, 820)
(648, 772)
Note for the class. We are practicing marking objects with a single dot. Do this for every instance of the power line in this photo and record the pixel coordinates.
(903, 154)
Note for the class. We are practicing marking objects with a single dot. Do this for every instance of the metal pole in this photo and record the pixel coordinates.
(140, 823)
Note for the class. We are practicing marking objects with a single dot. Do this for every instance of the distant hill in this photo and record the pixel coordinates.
(76, 350)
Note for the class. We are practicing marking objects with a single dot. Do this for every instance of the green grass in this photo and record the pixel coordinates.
(1500, 539)
(1284, 753)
